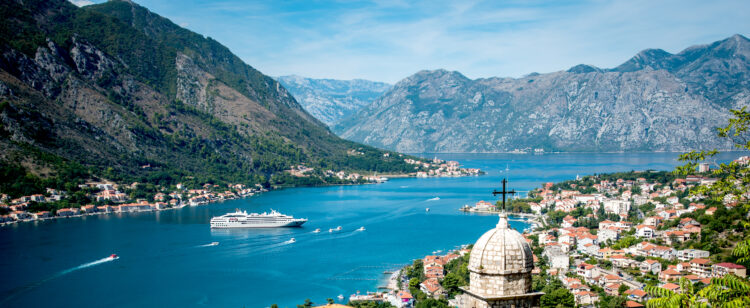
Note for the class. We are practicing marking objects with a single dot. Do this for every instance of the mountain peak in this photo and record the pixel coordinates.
(647, 58)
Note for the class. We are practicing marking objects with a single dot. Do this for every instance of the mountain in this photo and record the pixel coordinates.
(331, 100)
(655, 101)
(114, 90)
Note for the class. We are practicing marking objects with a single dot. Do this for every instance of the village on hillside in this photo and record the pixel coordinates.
(599, 242)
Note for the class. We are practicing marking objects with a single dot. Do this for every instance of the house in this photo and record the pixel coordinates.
(559, 261)
(637, 295)
(669, 275)
(652, 221)
(605, 252)
(405, 299)
(41, 215)
(672, 287)
(663, 252)
(431, 287)
(632, 304)
(652, 266)
(612, 288)
(66, 212)
(644, 231)
(586, 298)
(608, 234)
(689, 254)
(671, 237)
(434, 272)
(587, 271)
(608, 279)
(700, 267)
(721, 269)
(20, 215)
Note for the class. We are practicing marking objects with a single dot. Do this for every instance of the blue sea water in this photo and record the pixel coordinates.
(165, 260)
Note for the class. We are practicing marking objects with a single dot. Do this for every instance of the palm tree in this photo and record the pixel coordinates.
(685, 298)
(729, 291)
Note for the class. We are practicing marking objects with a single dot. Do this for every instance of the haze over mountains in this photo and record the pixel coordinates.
(655, 101)
(116, 87)
(331, 100)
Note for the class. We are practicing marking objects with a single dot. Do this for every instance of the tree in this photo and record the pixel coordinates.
(451, 283)
(622, 289)
(414, 283)
(558, 298)
(685, 298)
(432, 303)
(330, 301)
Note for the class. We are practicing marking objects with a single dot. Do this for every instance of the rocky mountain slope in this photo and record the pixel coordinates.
(111, 88)
(331, 100)
(655, 101)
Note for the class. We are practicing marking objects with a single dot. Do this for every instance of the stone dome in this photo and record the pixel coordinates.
(501, 262)
(501, 250)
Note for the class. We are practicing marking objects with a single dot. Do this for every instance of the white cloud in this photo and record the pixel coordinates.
(81, 3)
(391, 39)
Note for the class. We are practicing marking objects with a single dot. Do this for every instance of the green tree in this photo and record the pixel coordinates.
(558, 298)
(687, 297)
(432, 303)
(414, 283)
(622, 289)
(451, 283)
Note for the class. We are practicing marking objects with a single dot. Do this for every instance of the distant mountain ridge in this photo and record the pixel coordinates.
(656, 101)
(330, 100)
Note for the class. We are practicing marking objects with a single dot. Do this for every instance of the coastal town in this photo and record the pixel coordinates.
(108, 197)
(600, 241)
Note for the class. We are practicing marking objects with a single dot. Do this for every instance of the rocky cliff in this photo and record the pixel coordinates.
(655, 101)
(331, 100)
(113, 87)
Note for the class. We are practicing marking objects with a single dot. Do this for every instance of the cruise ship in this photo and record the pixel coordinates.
(241, 219)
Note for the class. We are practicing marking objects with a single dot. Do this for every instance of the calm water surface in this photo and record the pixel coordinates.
(164, 260)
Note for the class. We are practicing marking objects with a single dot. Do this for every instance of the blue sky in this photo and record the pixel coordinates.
(392, 39)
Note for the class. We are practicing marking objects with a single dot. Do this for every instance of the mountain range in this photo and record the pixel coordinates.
(330, 100)
(656, 101)
(126, 94)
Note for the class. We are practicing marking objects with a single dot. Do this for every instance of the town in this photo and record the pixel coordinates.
(107, 197)
(600, 241)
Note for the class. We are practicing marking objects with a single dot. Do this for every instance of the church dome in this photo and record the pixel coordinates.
(501, 251)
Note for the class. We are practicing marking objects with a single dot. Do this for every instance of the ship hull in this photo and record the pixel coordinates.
(258, 224)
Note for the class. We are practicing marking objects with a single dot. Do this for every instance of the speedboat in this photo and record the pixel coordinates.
(317, 230)
(338, 228)
(113, 256)
(330, 230)
(341, 297)
(213, 244)
(427, 209)
(292, 240)
(361, 229)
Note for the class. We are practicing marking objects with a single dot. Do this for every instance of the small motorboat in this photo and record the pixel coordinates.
(113, 256)
(361, 229)
(214, 244)
(427, 209)
(330, 230)
(338, 228)
(341, 297)
(292, 240)
(317, 230)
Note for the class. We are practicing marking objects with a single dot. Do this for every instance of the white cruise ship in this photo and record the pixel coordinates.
(241, 219)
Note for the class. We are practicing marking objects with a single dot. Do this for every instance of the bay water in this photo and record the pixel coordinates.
(166, 258)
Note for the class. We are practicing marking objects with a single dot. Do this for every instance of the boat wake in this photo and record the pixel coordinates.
(82, 266)
(209, 244)
(434, 199)
(17, 291)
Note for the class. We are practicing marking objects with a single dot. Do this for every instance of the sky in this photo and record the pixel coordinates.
(391, 39)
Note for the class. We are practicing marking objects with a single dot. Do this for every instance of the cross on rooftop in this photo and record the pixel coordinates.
(503, 192)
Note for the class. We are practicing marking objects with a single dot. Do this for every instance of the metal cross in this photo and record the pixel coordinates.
(503, 192)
